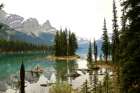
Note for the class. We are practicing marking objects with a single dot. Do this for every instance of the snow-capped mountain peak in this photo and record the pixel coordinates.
(28, 30)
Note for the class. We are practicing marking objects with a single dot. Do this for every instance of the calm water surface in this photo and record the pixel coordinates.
(54, 70)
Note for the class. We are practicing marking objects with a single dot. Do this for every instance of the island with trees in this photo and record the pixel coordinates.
(65, 45)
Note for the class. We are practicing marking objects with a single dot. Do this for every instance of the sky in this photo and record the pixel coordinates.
(84, 17)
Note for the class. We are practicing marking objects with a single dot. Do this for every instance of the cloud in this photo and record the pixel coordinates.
(85, 17)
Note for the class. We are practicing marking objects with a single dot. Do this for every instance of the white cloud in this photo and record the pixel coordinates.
(85, 17)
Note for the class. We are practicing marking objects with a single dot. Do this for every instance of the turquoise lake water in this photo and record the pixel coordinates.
(10, 66)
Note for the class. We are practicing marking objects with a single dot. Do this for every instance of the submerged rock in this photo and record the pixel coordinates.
(2, 86)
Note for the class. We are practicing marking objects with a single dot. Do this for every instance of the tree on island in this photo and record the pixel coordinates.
(106, 43)
(65, 43)
(72, 43)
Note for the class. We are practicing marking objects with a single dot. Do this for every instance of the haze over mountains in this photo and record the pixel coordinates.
(17, 28)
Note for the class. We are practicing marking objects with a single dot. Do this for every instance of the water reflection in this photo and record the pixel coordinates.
(54, 71)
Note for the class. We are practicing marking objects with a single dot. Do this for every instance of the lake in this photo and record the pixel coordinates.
(54, 70)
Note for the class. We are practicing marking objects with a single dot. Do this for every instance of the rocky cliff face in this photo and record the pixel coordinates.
(27, 30)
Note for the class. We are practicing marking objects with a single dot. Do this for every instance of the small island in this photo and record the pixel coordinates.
(52, 57)
(65, 46)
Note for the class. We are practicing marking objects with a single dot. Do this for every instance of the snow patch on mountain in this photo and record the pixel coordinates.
(29, 28)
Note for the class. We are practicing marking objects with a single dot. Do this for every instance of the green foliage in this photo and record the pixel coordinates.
(61, 88)
(130, 47)
(65, 43)
(18, 46)
(85, 87)
(95, 51)
(106, 82)
(109, 83)
(106, 43)
(115, 36)
(72, 43)
(22, 79)
(89, 55)
(131, 77)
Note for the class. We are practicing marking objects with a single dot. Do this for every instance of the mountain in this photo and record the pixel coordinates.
(84, 45)
(27, 30)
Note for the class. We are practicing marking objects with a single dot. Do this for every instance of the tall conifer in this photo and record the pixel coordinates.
(115, 36)
(89, 55)
(130, 54)
(105, 44)
(95, 51)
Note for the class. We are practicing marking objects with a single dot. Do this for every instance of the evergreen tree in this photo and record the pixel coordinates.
(115, 36)
(65, 43)
(95, 51)
(89, 56)
(115, 47)
(105, 44)
(110, 50)
(22, 79)
(123, 19)
(72, 43)
(56, 43)
(85, 87)
(130, 46)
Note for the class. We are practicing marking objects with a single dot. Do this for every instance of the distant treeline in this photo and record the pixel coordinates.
(19, 46)
(65, 43)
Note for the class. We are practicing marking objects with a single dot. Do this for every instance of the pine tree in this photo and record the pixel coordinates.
(89, 56)
(22, 78)
(115, 36)
(56, 43)
(65, 43)
(105, 44)
(85, 87)
(73, 43)
(95, 51)
(115, 47)
(130, 54)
